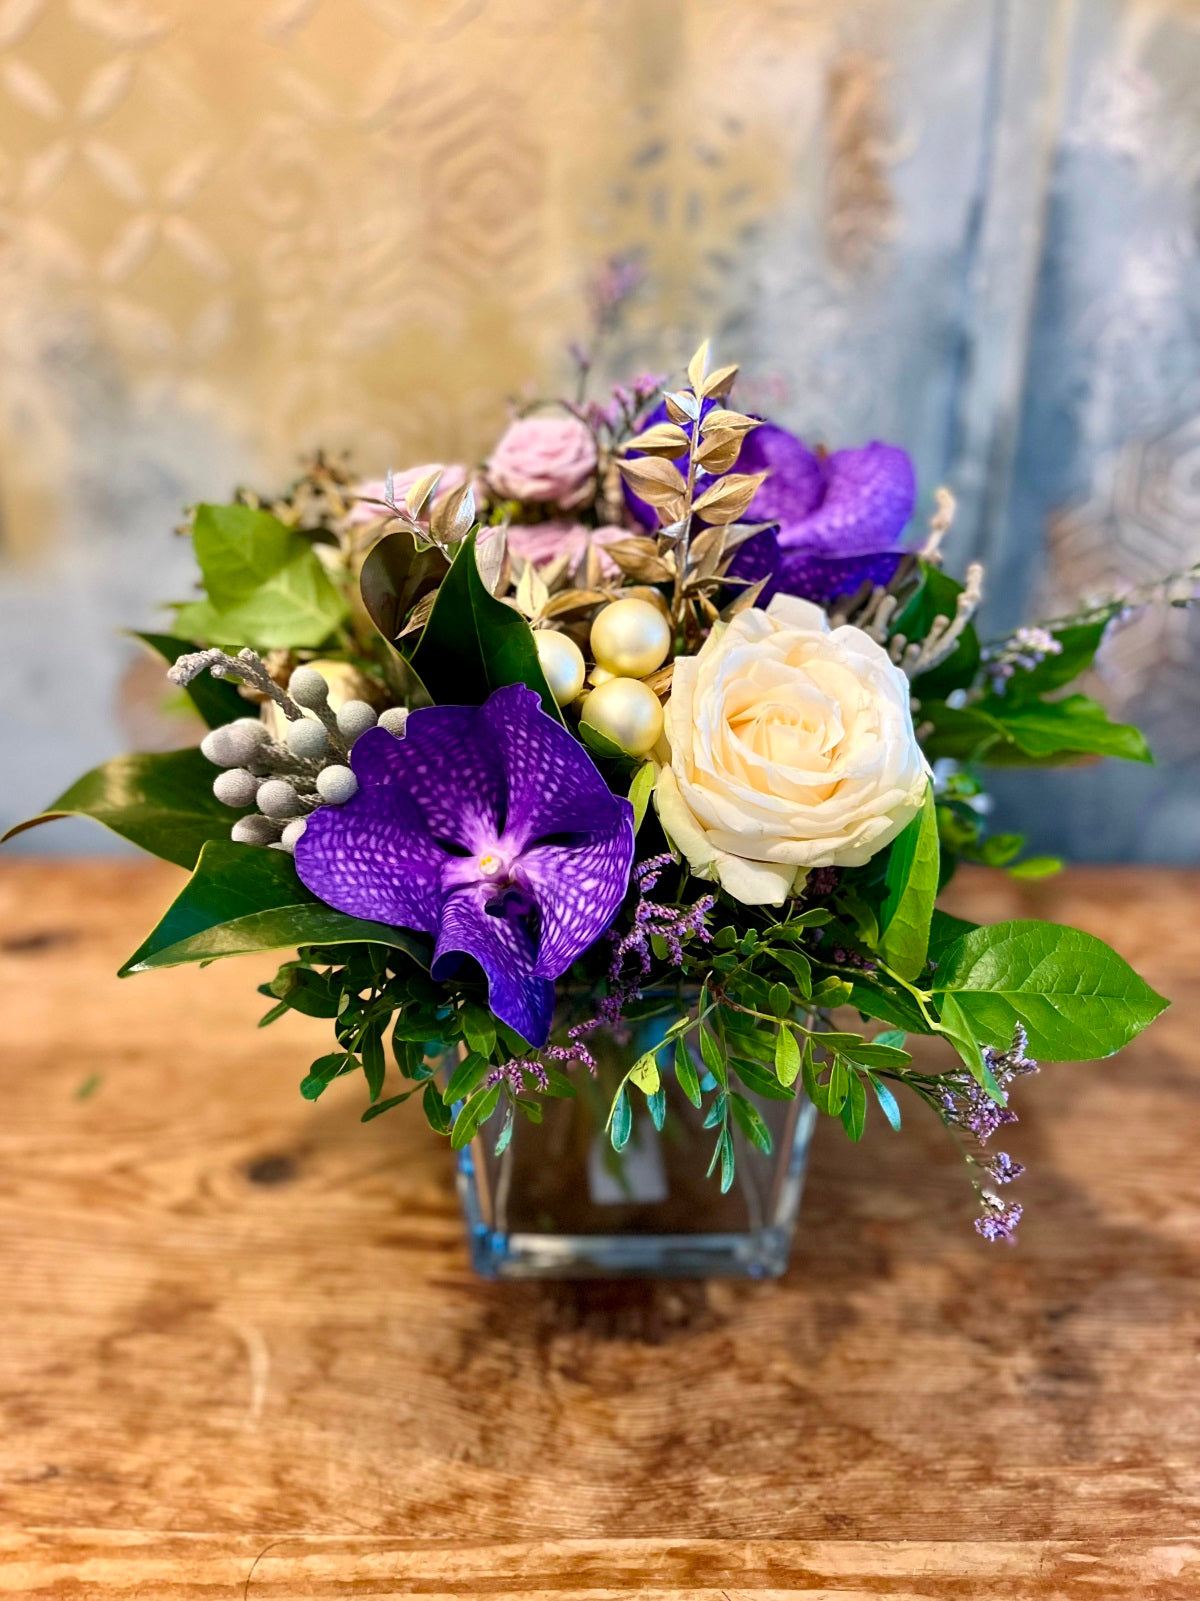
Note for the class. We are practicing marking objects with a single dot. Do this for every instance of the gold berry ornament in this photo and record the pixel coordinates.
(631, 638)
(626, 712)
(562, 664)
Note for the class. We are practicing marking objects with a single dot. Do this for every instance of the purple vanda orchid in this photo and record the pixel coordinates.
(488, 827)
(838, 518)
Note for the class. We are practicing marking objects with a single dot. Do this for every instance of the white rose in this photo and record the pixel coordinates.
(791, 746)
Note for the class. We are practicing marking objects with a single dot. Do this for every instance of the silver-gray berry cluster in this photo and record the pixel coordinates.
(284, 781)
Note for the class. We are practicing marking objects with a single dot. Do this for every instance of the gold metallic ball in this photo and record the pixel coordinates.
(562, 663)
(631, 638)
(626, 712)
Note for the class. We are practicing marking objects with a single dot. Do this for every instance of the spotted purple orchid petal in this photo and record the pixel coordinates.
(838, 519)
(489, 828)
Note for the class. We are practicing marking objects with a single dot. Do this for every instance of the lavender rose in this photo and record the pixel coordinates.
(544, 459)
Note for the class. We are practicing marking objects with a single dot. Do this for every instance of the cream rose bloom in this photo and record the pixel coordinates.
(791, 746)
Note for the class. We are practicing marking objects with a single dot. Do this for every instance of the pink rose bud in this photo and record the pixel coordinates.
(544, 543)
(542, 459)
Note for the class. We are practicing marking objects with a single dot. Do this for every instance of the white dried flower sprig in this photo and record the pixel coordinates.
(919, 655)
(285, 781)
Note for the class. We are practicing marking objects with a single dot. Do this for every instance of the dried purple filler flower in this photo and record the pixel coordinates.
(489, 827)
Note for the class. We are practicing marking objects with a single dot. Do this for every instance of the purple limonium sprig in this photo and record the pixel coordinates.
(966, 1105)
(488, 827)
(629, 967)
(837, 517)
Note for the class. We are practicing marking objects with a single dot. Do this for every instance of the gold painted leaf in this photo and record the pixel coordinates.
(682, 406)
(420, 494)
(728, 422)
(719, 382)
(573, 600)
(453, 515)
(653, 479)
(718, 452)
(664, 439)
(698, 366)
(727, 499)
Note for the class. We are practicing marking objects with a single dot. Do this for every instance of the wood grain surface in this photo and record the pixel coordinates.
(242, 1354)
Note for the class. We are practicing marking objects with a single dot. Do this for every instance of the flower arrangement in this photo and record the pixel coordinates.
(652, 712)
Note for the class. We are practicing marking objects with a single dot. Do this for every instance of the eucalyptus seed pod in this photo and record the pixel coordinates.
(336, 785)
(277, 799)
(354, 717)
(235, 744)
(236, 787)
(254, 830)
(308, 739)
(307, 688)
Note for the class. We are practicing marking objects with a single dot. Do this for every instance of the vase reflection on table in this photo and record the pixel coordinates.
(560, 1202)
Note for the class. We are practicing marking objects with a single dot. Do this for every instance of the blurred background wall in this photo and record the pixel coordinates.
(232, 231)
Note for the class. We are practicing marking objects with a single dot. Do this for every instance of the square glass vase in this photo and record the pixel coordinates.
(560, 1203)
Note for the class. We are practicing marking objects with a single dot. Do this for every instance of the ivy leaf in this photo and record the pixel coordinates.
(264, 582)
(161, 801)
(1075, 996)
(474, 643)
(912, 885)
(216, 699)
(245, 898)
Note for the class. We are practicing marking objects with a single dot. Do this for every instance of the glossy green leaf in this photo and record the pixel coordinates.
(620, 1120)
(161, 801)
(854, 1108)
(912, 885)
(380, 1107)
(749, 1120)
(473, 1114)
(265, 584)
(474, 644)
(437, 1113)
(1075, 996)
(216, 699)
(245, 898)
(787, 1056)
(640, 791)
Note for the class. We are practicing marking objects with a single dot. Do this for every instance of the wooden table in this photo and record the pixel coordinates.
(242, 1354)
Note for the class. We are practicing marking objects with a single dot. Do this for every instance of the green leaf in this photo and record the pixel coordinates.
(799, 966)
(374, 1067)
(1076, 997)
(479, 1029)
(506, 1132)
(714, 1060)
(760, 1079)
(265, 583)
(1036, 867)
(937, 596)
(685, 1072)
(782, 1004)
(787, 1056)
(854, 1108)
(324, 1070)
(943, 932)
(381, 1107)
(468, 1075)
(894, 1037)
(749, 1120)
(161, 801)
(620, 1120)
(1079, 645)
(473, 1115)
(436, 1111)
(640, 792)
(890, 1005)
(644, 1073)
(1076, 724)
(657, 1104)
(216, 699)
(887, 1101)
(474, 644)
(912, 884)
(245, 898)
(873, 1054)
(728, 1159)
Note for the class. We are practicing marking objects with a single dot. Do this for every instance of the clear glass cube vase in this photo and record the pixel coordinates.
(559, 1202)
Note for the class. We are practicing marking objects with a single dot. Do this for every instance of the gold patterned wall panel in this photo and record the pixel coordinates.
(358, 222)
